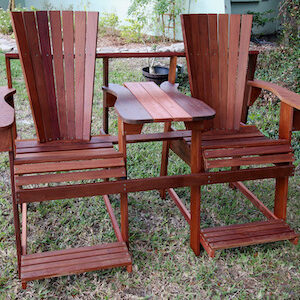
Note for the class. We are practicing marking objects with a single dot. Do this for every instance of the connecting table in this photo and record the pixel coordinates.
(144, 102)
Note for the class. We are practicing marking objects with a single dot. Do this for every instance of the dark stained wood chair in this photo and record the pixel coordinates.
(217, 57)
(57, 52)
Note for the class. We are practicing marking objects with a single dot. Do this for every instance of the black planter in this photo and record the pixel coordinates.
(160, 75)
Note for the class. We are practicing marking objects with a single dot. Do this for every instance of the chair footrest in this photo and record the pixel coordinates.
(74, 261)
(245, 234)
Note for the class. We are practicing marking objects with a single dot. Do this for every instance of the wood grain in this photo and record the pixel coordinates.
(58, 63)
(68, 45)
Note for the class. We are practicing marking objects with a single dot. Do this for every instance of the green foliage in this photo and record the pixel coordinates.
(132, 31)
(108, 23)
(289, 12)
(152, 13)
(280, 65)
(5, 24)
(260, 19)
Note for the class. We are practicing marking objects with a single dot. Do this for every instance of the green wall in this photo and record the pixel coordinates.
(243, 6)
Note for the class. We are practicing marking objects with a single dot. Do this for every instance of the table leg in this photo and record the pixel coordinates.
(196, 167)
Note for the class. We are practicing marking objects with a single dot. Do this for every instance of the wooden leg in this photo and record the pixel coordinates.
(15, 212)
(196, 167)
(122, 138)
(105, 100)
(24, 228)
(164, 158)
(129, 268)
(24, 285)
(281, 192)
(124, 218)
(105, 120)
(124, 197)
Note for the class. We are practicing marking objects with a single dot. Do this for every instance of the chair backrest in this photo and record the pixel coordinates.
(57, 52)
(217, 56)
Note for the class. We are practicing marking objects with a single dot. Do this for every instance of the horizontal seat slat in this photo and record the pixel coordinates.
(95, 265)
(68, 166)
(241, 226)
(219, 136)
(242, 229)
(65, 261)
(253, 240)
(73, 261)
(70, 155)
(268, 149)
(72, 250)
(246, 234)
(65, 147)
(74, 176)
(245, 161)
(29, 143)
(237, 143)
(65, 257)
(237, 235)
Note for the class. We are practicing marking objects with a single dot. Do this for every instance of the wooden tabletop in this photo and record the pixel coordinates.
(146, 102)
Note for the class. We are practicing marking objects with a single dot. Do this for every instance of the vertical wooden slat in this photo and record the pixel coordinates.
(196, 53)
(23, 49)
(68, 39)
(232, 67)
(185, 32)
(214, 65)
(46, 54)
(8, 72)
(105, 95)
(242, 67)
(56, 36)
(80, 31)
(172, 69)
(204, 58)
(248, 90)
(91, 43)
(223, 68)
(37, 63)
(196, 167)
(15, 210)
(191, 34)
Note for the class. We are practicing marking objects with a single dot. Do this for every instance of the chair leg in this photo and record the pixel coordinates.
(15, 212)
(24, 285)
(281, 193)
(124, 218)
(164, 158)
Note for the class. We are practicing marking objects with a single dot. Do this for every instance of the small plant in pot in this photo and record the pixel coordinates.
(155, 73)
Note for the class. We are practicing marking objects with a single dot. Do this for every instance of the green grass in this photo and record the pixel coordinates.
(164, 267)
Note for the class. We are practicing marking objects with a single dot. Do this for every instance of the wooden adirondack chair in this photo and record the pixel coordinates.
(217, 56)
(57, 52)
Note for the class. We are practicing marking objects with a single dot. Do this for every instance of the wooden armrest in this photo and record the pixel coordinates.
(114, 89)
(7, 118)
(286, 96)
(7, 114)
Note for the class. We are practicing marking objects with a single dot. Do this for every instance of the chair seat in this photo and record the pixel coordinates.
(242, 148)
(94, 159)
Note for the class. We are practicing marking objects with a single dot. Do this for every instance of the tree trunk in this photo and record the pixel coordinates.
(11, 5)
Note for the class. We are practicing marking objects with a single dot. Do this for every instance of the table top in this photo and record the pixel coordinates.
(146, 102)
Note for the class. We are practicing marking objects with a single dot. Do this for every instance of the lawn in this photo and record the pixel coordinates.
(163, 264)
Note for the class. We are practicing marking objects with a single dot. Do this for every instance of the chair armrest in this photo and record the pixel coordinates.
(7, 112)
(286, 96)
